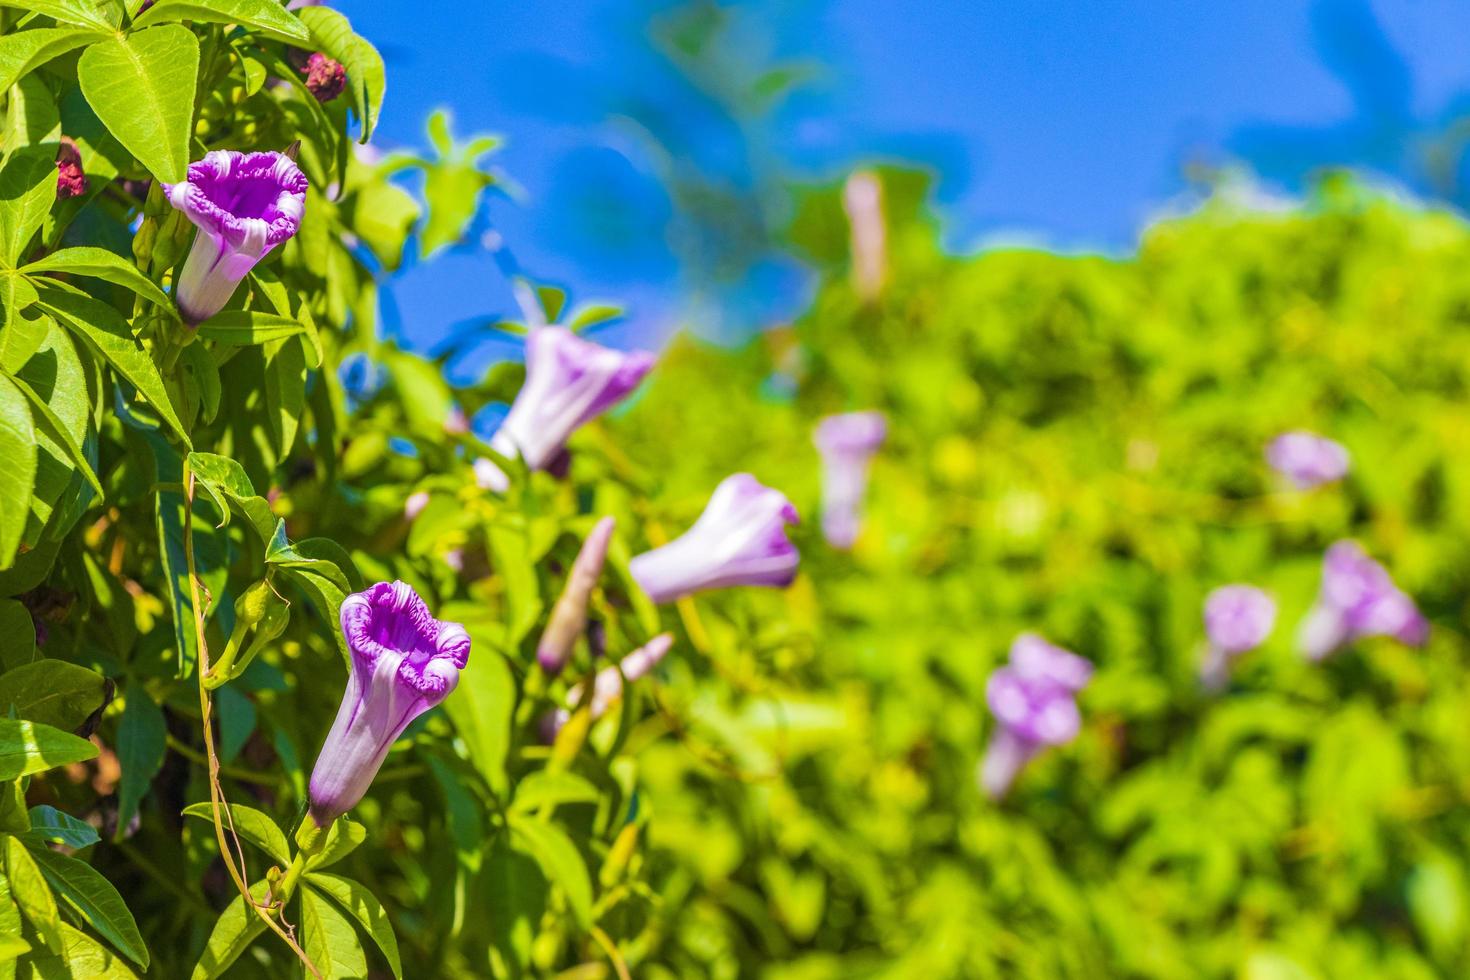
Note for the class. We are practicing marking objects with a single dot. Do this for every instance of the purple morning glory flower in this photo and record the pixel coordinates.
(607, 686)
(569, 616)
(244, 204)
(1306, 459)
(740, 539)
(569, 381)
(847, 443)
(488, 476)
(1033, 699)
(1238, 618)
(404, 662)
(1357, 599)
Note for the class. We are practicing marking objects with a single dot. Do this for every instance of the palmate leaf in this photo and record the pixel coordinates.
(94, 899)
(141, 85)
(360, 903)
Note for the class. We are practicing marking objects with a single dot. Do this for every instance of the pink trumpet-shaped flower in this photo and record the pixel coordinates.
(569, 615)
(607, 686)
(404, 662)
(244, 204)
(740, 539)
(1357, 599)
(1306, 459)
(569, 381)
(1238, 618)
(1034, 700)
(847, 443)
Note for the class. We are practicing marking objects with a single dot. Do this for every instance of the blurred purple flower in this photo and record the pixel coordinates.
(404, 662)
(1357, 599)
(1034, 701)
(1238, 618)
(244, 204)
(607, 686)
(847, 443)
(740, 539)
(415, 504)
(569, 381)
(1306, 459)
(488, 476)
(569, 615)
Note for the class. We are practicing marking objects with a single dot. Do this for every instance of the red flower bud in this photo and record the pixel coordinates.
(71, 180)
(325, 78)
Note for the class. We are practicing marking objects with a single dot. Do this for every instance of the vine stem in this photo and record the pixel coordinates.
(216, 792)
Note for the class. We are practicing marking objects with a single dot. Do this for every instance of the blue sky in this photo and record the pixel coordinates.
(1064, 123)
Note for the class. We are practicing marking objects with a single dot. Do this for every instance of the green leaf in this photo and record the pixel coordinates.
(52, 692)
(240, 328)
(360, 903)
(342, 839)
(27, 191)
(54, 381)
(265, 16)
(480, 708)
(332, 34)
(285, 391)
(225, 481)
(29, 889)
(20, 336)
(17, 635)
(234, 930)
(142, 737)
(515, 897)
(80, 956)
(18, 475)
(108, 333)
(24, 51)
(205, 376)
(104, 15)
(11, 943)
(544, 788)
(510, 551)
(141, 86)
(50, 824)
(559, 859)
(330, 941)
(252, 825)
(93, 898)
(54, 428)
(32, 115)
(99, 263)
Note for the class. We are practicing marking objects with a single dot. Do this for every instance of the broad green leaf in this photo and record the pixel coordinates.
(342, 839)
(240, 328)
(320, 555)
(31, 568)
(237, 720)
(52, 692)
(20, 335)
(510, 551)
(27, 191)
(18, 475)
(452, 189)
(50, 824)
(265, 16)
(104, 15)
(54, 427)
(54, 381)
(225, 482)
(99, 263)
(94, 899)
(24, 51)
(17, 635)
(11, 943)
(204, 374)
(108, 333)
(515, 896)
(285, 391)
(252, 825)
(559, 859)
(234, 930)
(141, 86)
(141, 745)
(333, 35)
(329, 939)
(29, 889)
(544, 788)
(480, 707)
(80, 956)
(32, 115)
(360, 903)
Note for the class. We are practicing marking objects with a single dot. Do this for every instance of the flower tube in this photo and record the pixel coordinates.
(569, 616)
(740, 539)
(847, 443)
(607, 686)
(1358, 599)
(1033, 699)
(244, 204)
(1307, 460)
(1238, 618)
(569, 381)
(404, 662)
